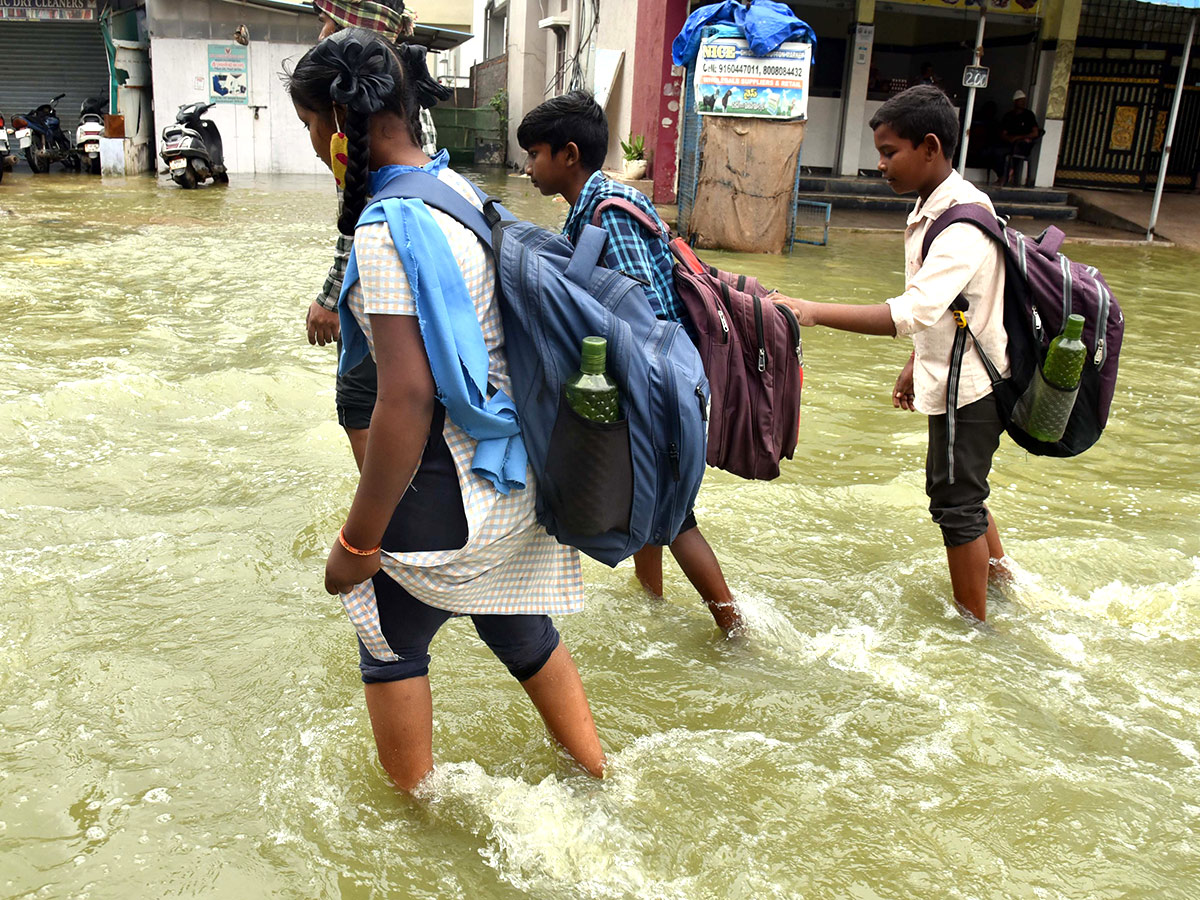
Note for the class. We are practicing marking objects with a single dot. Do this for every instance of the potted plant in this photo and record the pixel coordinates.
(635, 157)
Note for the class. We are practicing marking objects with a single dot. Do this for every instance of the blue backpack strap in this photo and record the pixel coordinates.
(432, 191)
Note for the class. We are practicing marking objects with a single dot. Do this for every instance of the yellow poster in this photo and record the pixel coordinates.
(1005, 7)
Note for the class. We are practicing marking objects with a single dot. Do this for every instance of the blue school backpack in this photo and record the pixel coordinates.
(607, 489)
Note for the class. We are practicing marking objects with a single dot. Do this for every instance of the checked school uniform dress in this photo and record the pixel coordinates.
(509, 564)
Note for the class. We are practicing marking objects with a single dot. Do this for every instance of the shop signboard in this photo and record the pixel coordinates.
(45, 10)
(1004, 7)
(228, 74)
(732, 81)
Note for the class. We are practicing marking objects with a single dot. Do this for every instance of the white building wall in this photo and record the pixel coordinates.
(618, 31)
(533, 60)
(273, 142)
(180, 32)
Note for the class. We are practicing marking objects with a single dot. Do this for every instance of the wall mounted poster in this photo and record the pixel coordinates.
(228, 74)
(732, 81)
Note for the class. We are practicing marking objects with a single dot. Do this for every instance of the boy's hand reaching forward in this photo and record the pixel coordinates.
(902, 393)
(802, 308)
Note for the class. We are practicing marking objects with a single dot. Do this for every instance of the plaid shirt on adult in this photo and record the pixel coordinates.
(631, 250)
(332, 289)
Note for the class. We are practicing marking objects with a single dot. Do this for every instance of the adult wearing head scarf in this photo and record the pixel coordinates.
(356, 389)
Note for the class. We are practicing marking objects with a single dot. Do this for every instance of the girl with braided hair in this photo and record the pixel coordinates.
(443, 521)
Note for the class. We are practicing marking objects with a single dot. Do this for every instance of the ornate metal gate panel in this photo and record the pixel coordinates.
(1109, 124)
(1117, 108)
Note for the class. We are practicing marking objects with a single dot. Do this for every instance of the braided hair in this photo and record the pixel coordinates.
(357, 69)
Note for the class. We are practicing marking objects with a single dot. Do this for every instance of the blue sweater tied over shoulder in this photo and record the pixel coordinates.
(458, 354)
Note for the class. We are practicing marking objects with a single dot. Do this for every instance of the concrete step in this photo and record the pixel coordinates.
(894, 203)
(877, 187)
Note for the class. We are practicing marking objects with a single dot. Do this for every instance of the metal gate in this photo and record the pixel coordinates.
(1116, 117)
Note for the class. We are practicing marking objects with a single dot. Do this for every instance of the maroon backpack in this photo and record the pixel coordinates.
(752, 356)
(1041, 288)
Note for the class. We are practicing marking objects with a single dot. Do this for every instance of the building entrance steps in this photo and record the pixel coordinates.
(871, 193)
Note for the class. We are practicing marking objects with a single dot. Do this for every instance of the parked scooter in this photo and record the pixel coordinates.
(192, 148)
(41, 137)
(7, 158)
(89, 132)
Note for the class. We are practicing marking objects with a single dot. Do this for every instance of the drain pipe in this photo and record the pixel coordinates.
(970, 110)
(1166, 155)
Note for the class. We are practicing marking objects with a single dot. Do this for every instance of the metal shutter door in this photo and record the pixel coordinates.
(42, 59)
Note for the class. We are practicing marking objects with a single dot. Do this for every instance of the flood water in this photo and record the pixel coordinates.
(180, 708)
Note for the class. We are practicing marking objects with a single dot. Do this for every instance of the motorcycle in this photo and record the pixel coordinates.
(192, 148)
(7, 159)
(41, 137)
(89, 132)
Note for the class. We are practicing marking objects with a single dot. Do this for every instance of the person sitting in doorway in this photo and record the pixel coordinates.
(1019, 130)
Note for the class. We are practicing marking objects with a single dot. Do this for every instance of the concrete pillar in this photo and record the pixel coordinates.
(1059, 29)
(854, 93)
(657, 94)
(527, 68)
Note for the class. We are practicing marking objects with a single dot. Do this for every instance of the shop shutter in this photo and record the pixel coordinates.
(42, 59)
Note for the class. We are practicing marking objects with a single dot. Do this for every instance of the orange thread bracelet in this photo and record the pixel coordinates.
(342, 540)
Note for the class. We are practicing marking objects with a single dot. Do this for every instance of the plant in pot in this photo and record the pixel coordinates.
(635, 157)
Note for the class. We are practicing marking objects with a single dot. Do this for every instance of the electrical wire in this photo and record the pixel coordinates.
(572, 69)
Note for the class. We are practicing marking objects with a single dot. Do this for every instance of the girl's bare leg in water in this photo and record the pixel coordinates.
(402, 720)
(557, 692)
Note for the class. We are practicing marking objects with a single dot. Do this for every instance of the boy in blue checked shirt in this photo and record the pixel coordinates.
(567, 139)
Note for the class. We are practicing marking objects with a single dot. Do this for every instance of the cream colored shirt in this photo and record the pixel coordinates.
(962, 260)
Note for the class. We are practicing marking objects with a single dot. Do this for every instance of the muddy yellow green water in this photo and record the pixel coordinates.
(180, 709)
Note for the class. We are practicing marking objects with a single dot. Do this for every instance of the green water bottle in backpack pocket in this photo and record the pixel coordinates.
(590, 392)
(1056, 384)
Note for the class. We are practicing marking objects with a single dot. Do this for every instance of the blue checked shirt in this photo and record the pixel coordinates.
(631, 249)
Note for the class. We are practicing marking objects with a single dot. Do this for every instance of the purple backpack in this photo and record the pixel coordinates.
(1041, 288)
(752, 355)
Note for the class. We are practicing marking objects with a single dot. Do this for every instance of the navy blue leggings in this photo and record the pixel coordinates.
(522, 643)
(430, 516)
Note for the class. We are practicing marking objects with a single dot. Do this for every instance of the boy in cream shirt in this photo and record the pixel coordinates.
(915, 134)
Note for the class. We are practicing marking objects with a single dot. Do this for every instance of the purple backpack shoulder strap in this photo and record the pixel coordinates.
(963, 212)
(643, 218)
